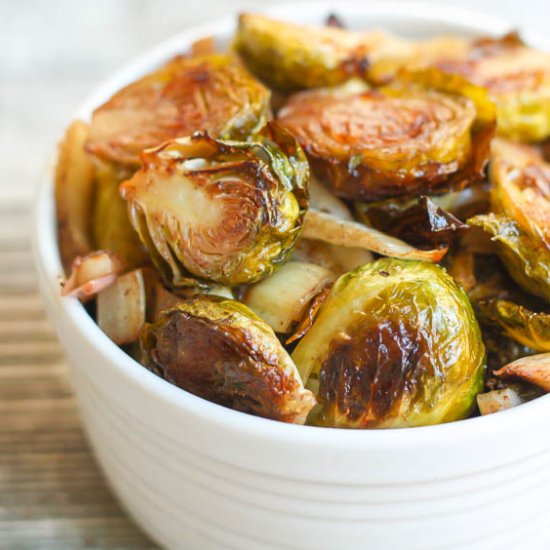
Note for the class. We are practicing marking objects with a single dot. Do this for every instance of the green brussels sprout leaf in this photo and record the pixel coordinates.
(526, 259)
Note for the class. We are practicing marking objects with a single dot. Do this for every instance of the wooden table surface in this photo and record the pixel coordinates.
(52, 495)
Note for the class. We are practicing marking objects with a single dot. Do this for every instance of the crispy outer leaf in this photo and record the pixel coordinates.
(420, 222)
(528, 327)
(526, 259)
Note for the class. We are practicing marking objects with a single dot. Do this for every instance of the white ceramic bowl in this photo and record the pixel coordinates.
(196, 475)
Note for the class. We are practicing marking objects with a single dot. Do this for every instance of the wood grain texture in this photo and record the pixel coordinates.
(52, 494)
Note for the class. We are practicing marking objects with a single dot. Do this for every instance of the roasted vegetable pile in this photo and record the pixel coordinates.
(322, 226)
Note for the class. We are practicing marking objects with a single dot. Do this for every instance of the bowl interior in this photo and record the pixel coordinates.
(417, 20)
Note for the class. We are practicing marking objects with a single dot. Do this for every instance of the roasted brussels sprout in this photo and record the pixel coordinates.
(224, 211)
(521, 181)
(395, 344)
(523, 325)
(526, 259)
(290, 57)
(220, 350)
(517, 78)
(394, 142)
(212, 93)
(111, 225)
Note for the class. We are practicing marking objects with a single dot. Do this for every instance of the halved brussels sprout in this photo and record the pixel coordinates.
(521, 181)
(212, 93)
(527, 327)
(395, 344)
(393, 142)
(517, 78)
(290, 57)
(224, 211)
(220, 350)
(526, 259)
(111, 225)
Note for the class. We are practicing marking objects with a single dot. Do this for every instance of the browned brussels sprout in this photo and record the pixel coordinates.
(526, 259)
(220, 350)
(223, 211)
(394, 142)
(290, 57)
(521, 186)
(395, 344)
(212, 93)
(517, 78)
(527, 327)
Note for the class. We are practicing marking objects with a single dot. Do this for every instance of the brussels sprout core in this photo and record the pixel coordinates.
(395, 344)
(218, 349)
(220, 210)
